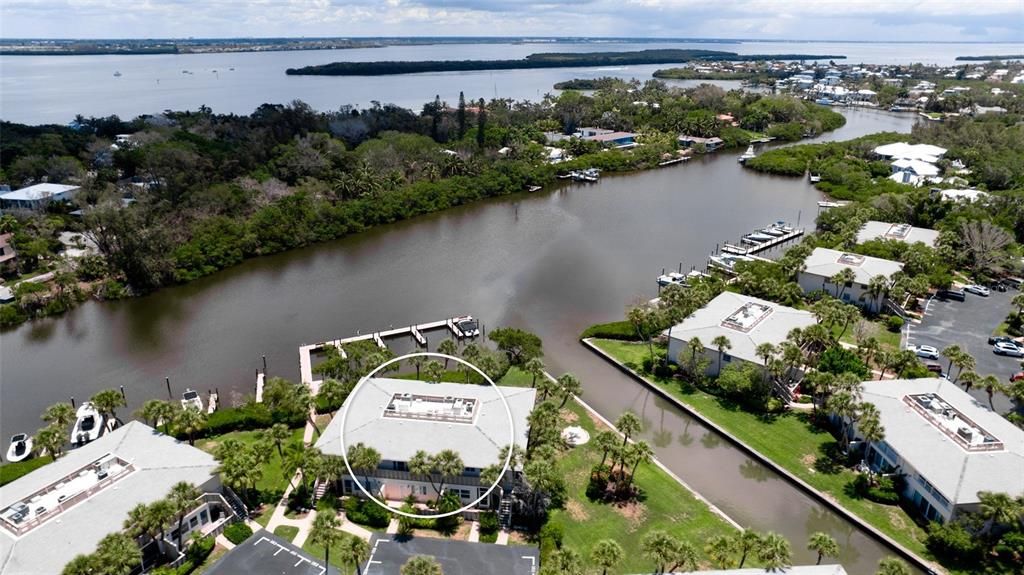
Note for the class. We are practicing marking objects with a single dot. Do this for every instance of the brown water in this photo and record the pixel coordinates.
(552, 262)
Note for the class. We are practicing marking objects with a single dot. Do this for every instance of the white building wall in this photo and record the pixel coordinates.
(677, 346)
(855, 293)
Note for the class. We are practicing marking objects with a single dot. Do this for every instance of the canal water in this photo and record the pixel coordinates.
(552, 262)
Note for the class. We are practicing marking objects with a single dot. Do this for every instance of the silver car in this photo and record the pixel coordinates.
(926, 351)
(1006, 348)
(977, 290)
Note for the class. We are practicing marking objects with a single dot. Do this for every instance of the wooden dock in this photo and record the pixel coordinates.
(756, 248)
(415, 331)
(260, 378)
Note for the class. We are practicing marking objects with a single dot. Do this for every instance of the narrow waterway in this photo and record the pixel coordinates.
(552, 262)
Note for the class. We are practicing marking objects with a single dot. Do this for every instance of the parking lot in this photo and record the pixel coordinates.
(266, 554)
(969, 324)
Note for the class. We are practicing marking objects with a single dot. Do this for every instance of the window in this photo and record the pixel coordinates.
(193, 523)
(726, 357)
(423, 489)
(204, 517)
(400, 466)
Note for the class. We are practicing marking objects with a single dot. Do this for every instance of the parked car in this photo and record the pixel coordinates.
(994, 339)
(1014, 282)
(977, 290)
(998, 286)
(1010, 349)
(934, 368)
(957, 294)
(926, 351)
(1017, 376)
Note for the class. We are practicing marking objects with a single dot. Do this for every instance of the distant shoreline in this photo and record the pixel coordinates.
(989, 58)
(543, 60)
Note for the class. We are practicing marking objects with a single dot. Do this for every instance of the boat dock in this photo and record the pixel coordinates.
(754, 247)
(415, 331)
(260, 379)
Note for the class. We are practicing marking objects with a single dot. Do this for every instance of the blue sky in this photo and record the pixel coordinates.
(909, 20)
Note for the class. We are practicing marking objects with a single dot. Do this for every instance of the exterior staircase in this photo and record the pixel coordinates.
(505, 512)
(319, 489)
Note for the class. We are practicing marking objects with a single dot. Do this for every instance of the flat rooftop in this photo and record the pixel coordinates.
(399, 417)
(875, 230)
(951, 438)
(826, 263)
(747, 316)
(456, 557)
(142, 465)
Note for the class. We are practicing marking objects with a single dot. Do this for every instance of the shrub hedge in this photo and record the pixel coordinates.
(620, 330)
(366, 512)
(237, 532)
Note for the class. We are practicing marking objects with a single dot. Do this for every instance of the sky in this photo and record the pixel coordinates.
(871, 20)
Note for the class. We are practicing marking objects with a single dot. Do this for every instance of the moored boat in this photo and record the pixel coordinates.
(20, 449)
(748, 155)
(88, 426)
(191, 400)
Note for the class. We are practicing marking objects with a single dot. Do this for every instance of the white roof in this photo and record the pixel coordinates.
(746, 321)
(919, 167)
(875, 230)
(398, 439)
(37, 192)
(827, 263)
(968, 195)
(159, 461)
(906, 178)
(958, 473)
(910, 151)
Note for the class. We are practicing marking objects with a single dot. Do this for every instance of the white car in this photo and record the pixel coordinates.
(977, 290)
(1006, 348)
(926, 351)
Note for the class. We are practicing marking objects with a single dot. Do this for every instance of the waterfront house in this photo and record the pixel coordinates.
(919, 168)
(399, 417)
(391, 553)
(611, 138)
(906, 233)
(64, 508)
(966, 195)
(946, 444)
(37, 196)
(905, 151)
(745, 321)
(709, 144)
(823, 264)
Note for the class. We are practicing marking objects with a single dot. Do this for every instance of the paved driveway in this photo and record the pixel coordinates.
(969, 324)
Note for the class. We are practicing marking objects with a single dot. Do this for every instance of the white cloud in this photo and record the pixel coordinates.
(945, 20)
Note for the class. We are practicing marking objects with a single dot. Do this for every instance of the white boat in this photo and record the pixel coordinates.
(191, 400)
(774, 231)
(88, 426)
(757, 237)
(672, 278)
(784, 227)
(466, 325)
(748, 155)
(20, 449)
(728, 261)
(815, 178)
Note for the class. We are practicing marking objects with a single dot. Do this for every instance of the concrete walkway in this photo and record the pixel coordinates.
(223, 542)
(358, 530)
(502, 537)
(393, 526)
(474, 532)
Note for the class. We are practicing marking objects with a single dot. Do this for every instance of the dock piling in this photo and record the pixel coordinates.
(170, 396)
(123, 396)
(73, 402)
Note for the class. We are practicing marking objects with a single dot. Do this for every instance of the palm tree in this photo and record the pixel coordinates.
(748, 542)
(334, 392)
(59, 414)
(607, 553)
(157, 412)
(447, 347)
(694, 347)
(1018, 302)
(991, 384)
(118, 554)
(355, 551)
(608, 443)
(968, 379)
(535, 367)
(660, 548)
(325, 533)
(567, 561)
(687, 557)
(82, 565)
(721, 550)
(892, 566)
(51, 439)
(418, 362)
(569, 386)
(135, 523)
(640, 453)
(721, 343)
(840, 279)
(774, 551)
(628, 425)
(765, 351)
(421, 565)
(878, 289)
(542, 425)
(546, 386)
(363, 458)
(998, 509)
(952, 353)
(106, 403)
(963, 361)
(434, 371)
(871, 428)
(824, 545)
(190, 421)
(278, 434)
(183, 499)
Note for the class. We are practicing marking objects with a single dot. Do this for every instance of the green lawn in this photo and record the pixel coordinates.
(265, 515)
(665, 505)
(286, 532)
(335, 558)
(273, 471)
(790, 441)
(212, 558)
(886, 339)
(11, 471)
